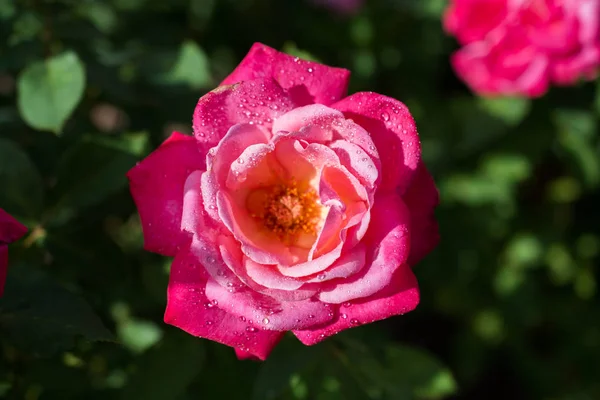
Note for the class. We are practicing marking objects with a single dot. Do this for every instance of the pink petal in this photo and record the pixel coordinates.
(388, 245)
(156, 184)
(421, 198)
(347, 265)
(189, 309)
(393, 131)
(357, 161)
(400, 296)
(321, 124)
(237, 139)
(11, 230)
(257, 102)
(268, 313)
(307, 82)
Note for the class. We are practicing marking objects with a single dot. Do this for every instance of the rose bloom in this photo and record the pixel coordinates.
(520, 47)
(291, 208)
(10, 230)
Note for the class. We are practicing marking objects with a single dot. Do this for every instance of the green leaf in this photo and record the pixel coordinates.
(421, 371)
(49, 91)
(22, 189)
(165, 371)
(41, 316)
(192, 67)
(95, 168)
(511, 110)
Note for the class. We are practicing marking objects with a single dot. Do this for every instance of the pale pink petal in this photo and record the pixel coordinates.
(266, 312)
(237, 262)
(257, 102)
(254, 168)
(347, 265)
(392, 129)
(421, 198)
(307, 82)
(268, 276)
(156, 184)
(210, 187)
(189, 309)
(237, 139)
(388, 246)
(400, 296)
(357, 161)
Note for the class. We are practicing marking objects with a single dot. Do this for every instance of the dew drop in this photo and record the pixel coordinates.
(243, 319)
(266, 321)
(344, 316)
(321, 277)
(251, 329)
(310, 70)
(385, 116)
(354, 321)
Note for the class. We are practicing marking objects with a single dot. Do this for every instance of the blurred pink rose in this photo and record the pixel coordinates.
(291, 208)
(520, 47)
(10, 231)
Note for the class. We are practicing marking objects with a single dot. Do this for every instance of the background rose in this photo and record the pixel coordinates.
(10, 231)
(291, 209)
(522, 46)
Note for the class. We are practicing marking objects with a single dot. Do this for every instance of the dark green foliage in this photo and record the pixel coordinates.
(509, 307)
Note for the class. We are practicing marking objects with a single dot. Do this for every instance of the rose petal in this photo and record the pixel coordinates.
(237, 139)
(157, 183)
(388, 243)
(266, 312)
(392, 129)
(11, 230)
(257, 102)
(347, 265)
(307, 82)
(421, 198)
(400, 296)
(189, 309)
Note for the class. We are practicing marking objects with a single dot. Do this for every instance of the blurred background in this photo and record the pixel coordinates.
(509, 309)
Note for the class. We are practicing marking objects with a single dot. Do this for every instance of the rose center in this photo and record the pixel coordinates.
(287, 211)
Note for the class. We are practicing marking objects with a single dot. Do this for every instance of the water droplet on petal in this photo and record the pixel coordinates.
(266, 321)
(354, 321)
(385, 116)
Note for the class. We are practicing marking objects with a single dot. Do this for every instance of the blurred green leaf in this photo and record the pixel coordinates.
(22, 188)
(39, 315)
(49, 91)
(511, 110)
(138, 335)
(192, 67)
(165, 371)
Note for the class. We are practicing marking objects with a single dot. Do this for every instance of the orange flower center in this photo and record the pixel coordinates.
(287, 211)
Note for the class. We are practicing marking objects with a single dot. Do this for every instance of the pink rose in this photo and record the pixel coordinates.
(291, 209)
(10, 231)
(520, 47)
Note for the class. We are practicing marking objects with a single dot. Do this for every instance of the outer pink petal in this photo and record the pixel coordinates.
(421, 198)
(397, 298)
(156, 185)
(188, 308)
(307, 82)
(11, 230)
(257, 102)
(267, 312)
(388, 247)
(393, 131)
